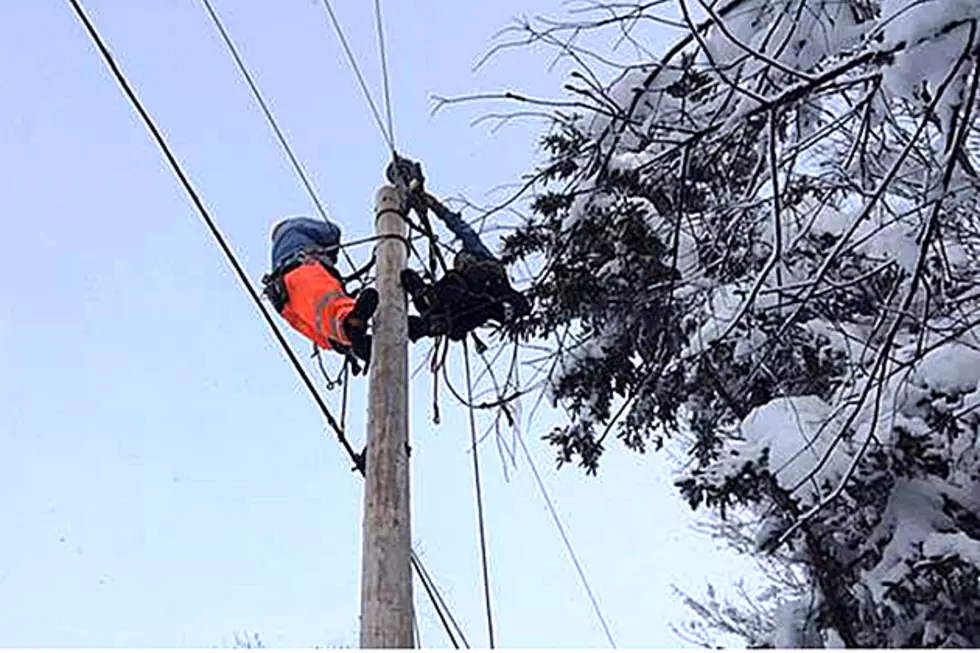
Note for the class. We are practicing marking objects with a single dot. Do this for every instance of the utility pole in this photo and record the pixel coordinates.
(386, 573)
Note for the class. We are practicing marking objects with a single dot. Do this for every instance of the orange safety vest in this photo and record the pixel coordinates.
(317, 304)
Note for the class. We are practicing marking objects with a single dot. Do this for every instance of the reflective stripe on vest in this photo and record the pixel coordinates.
(335, 327)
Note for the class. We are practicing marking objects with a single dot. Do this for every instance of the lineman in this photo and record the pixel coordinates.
(306, 289)
(473, 293)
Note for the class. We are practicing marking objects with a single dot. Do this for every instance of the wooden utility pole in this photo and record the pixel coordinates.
(386, 573)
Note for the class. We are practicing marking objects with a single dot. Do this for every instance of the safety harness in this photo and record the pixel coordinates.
(274, 283)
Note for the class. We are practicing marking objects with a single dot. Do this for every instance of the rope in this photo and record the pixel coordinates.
(360, 77)
(345, 400)
(554, 512)
(479, 496)
(329, 383)
(212, 227)
(304, 178)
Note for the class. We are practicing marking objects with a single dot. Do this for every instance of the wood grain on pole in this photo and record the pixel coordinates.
(386, 573)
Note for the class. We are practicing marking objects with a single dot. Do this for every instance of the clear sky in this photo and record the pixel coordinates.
(164, 478)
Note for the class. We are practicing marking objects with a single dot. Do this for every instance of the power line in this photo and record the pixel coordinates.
(304, 178)
(360, 78)
(264, 106)
(435, 605)
(209, 221)
(442, 610)
(379, 24)
(567, 541)
(479, 495)
(389, 133)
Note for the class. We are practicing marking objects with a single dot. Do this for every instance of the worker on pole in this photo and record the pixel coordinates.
(308, 292)
(475, 291)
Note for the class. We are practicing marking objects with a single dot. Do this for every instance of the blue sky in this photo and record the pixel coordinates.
(164, 478)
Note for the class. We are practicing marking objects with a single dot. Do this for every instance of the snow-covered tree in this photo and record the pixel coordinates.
(764, 240)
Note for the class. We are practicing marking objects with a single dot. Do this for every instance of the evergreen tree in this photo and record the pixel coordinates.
(764, 243)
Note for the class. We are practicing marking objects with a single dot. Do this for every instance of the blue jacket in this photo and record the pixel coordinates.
(470, 239)
(296, 235)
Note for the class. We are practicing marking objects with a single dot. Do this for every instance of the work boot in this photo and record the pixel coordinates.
(360, 344)
(416, 328)
(426, 326)
(412, 282)
(421, 293)
(364, 307)
(437, 325)
(355, 324)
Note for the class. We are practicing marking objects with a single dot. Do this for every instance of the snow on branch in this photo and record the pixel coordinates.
(762, 239)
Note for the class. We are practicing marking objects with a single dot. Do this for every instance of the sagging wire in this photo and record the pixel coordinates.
(297, 167)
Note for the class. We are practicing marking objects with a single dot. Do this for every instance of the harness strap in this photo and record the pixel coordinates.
(275, 286)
